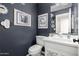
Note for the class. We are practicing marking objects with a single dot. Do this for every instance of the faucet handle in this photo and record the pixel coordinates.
(74, 40)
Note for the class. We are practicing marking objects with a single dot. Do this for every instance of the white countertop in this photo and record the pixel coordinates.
(61, 41)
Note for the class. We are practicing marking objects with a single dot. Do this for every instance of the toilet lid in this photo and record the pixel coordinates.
(35, 48)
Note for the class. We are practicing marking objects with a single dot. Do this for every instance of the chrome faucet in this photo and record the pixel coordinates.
(69, 35)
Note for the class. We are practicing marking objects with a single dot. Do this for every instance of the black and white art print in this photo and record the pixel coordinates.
(43, 21)
(21, 18)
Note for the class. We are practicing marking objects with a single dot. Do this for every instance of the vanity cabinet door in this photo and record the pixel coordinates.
(57, 49)
(51, 53)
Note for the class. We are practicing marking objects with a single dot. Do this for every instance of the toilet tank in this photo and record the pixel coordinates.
(40, 40)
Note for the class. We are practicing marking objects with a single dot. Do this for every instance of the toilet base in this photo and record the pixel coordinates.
(40, 54)
(34, 55)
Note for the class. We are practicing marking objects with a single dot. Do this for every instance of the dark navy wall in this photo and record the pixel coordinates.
(44, 8)
(17, 39)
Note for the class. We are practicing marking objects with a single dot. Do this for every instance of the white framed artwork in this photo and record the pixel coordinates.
(21, 18)
(43, 21)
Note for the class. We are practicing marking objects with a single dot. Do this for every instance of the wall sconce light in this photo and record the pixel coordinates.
(6, 23)
(3, 9)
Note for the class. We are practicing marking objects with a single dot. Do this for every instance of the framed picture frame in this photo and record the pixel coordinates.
(43, 21)
(21, 18)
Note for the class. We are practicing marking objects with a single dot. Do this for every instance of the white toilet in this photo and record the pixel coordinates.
(35, 50)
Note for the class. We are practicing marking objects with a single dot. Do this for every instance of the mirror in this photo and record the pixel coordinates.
(63, 23)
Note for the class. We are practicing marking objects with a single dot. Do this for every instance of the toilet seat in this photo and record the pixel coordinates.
(35, 49)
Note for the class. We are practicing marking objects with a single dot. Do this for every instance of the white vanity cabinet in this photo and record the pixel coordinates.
(54, 48)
